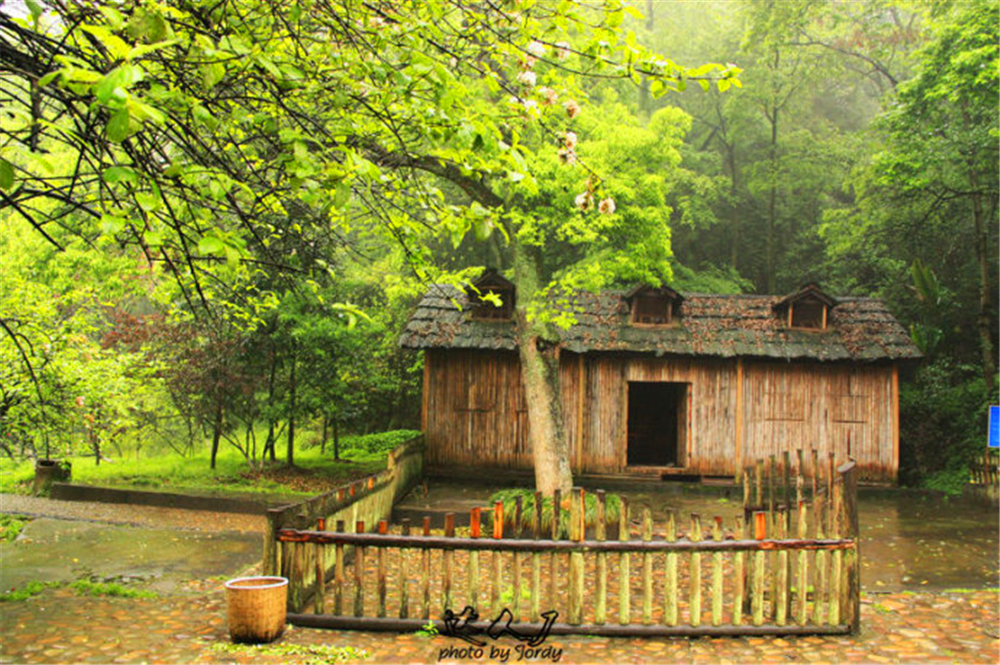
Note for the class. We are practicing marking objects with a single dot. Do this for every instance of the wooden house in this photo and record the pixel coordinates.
(655, 382)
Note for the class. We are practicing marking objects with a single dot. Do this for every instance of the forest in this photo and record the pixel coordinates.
(216, 216)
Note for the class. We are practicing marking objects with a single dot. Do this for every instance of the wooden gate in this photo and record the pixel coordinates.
(790, 566)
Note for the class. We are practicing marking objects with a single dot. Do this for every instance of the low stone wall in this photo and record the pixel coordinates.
(363, 503)
(72, 492)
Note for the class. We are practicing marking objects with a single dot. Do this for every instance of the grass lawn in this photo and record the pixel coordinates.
(313, 473)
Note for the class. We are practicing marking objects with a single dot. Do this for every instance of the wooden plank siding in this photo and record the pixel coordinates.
(476, 413)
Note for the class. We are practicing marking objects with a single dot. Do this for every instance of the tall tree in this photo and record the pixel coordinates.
(205, 133)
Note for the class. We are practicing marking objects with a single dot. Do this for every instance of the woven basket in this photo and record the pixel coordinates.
(256, 608)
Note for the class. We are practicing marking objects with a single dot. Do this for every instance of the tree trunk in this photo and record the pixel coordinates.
(540, 369)
(983, 318)
(290, 455)
(540, 372)
(322, 441)
(336, 439)
(772, 206)
(216, 432)
(271, 444)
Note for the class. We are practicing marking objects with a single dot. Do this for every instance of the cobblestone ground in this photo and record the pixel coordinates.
(60, 627)
(188, 624)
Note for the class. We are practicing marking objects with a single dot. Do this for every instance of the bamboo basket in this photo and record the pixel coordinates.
(256, 608)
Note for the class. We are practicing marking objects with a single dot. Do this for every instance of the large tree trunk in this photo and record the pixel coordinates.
(985, 300)
(540, 371)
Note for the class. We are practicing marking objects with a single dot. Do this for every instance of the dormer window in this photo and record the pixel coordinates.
(653, 306)
(806, 309)
(485, 309)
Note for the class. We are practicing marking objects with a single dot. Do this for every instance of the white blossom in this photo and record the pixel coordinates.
(527, 78)
(569, 139)
(607, 206)
(584, 201)
(572, 109)
(562, 50)
(549, 96)
(537, 49)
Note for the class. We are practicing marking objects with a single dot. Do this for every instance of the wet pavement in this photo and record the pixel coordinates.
(920, 551)
(54, 550)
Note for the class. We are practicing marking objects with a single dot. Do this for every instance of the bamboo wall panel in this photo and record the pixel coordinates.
(477, 416)
(843, 409)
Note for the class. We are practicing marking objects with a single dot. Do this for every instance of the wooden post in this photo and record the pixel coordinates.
(781, 599)
(758, 479)
(338, 574)
(601, 602)
(695, 572)
(852, 602)
(717, 575)
(786, 471)
(496, 588)
(359, 573)
(383, 529)
(831, 474)
(739, 575)
(670, 579)
(536, 562)
(802, 581)
(404, 587)
(425, 575)
(271, 565)
(746, 490)
(800, 475)
(474, 530)
(624, 577)
(647, 569)
(759, 533)
(576, 512)
(836, 530)
(815, 471)
(319, 584)
(554, 558)
(449, 564)
(819, 577)
(772, 473)
(518, 558)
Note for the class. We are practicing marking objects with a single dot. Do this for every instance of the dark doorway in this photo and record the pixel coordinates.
(657, 419)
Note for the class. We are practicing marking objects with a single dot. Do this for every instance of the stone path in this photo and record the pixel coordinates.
(115, 513)
(58, 627)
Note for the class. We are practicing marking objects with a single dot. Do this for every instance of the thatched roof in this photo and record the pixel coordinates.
(724, 326)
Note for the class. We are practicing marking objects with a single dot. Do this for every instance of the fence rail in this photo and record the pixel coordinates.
(790, 565)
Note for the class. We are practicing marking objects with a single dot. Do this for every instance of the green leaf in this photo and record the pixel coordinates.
(211, 74)
(6, 175)
(114, 174)
(118, 127)
(211, 245)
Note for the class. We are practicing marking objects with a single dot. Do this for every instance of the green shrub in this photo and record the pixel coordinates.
(112, 589)
(30, 589)
(942, 425)
(509, 498)
(379, 442)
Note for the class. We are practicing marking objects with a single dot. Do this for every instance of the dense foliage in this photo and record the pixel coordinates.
(217, 216)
